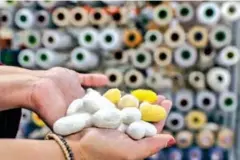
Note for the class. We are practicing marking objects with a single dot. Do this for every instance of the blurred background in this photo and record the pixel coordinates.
(187, 51)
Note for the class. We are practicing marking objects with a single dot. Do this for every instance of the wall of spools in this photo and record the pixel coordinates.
(183, 50)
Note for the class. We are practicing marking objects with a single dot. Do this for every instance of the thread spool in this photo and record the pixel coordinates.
(220, 36)
(196, 120)
(56, 39)
(206, 57)
(162, 15)
(133, 78)
(115, 77)
(46, 58)
(230, 11)
(6, 18)
(198, 36)
(60, 17)
(218, 79)
(228, 56)
(195, 153)
(26, 58)
(27, 3)
(110, 39)
(174, 37)
(184, 139)
(216, 153)
(208, 13)
(32, 39)
(98, 16)
(175, 154)
(142, 58)
(197, 80)
(205, 139)
(49, 4)
(153, 81)
(43, 19)
(175, 121)
(88, 38)
(214, 127)
(132, 38)
(162, 56)
(153, 38)
(119, 16)
(185, 12)
(225, 138)
(206, 100)
(228, 101)
(79, 17)
(121, 57)
(82, 59)
(184, 100)
(185, 56)
(24, 18)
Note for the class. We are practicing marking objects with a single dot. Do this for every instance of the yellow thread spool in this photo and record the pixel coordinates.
(132, 38)
(196, 120)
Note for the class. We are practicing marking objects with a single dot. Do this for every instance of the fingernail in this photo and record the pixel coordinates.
(171, 142)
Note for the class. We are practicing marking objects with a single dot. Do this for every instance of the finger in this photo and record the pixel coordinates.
(93, 80)
(151, 145)
(160, 99)
(167, 105)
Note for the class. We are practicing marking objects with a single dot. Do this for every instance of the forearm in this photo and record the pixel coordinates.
(29, 150)
(15, 90)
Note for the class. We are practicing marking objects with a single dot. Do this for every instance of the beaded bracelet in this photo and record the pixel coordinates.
(68, 154)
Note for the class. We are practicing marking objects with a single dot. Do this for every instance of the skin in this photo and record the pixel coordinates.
(49, 93)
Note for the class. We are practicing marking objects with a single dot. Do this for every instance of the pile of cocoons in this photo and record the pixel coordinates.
(132, 113)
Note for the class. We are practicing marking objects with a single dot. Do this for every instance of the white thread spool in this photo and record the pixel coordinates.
(218, 79)
(79, 17)
(228, 101)
(133, 78)
(185, 12)
(27, 3)
(208, 13)
(56, 39)
(121, 57)
(110, 39)
(142, 58)
(49, 4)
(175, 121)
(8, 4)
(43, 18)
(115, 3)
(88, 38)
(153, 38)
(153, 80)
(163, 56)
(82, 59)
(197, 80)
(185, 56)
(220, 36)
(184, 100)
(99, 16)
(46, 58)
(24, 18)
(228, 56)
(32, 39)
(26, 58)
(162, 15)
(175, 37)
(60, 17)
(115, 77)
(230, 11)
(206, 100)
(206, 57)
(6, 18)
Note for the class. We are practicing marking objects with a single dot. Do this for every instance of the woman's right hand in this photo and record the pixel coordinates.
(108, 144)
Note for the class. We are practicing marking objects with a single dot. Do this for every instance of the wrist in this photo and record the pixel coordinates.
(77, 150)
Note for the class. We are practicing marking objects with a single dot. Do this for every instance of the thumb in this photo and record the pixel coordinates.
(152, 145)
(93, 80)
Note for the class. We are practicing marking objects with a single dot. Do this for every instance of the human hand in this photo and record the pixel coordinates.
(56, 88)
(108, 144)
